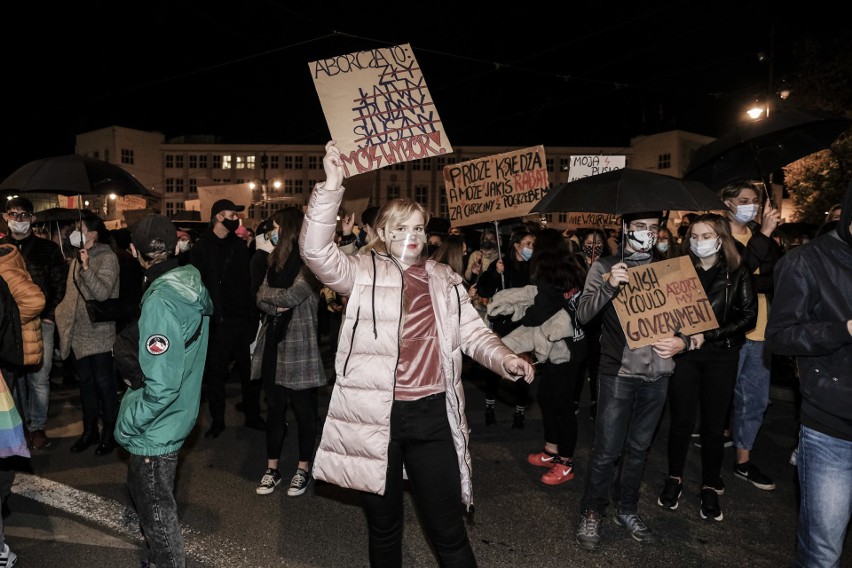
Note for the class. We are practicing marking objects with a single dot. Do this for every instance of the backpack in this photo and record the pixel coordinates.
(125, 353)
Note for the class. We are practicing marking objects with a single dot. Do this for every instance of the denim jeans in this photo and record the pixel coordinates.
(825, 507)
(751, 393)
(32, 393)
(151, 480)
(98, 395)
(629, 410)
(421, 440)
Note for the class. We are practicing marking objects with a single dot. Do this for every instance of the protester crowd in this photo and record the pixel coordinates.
(407, 305)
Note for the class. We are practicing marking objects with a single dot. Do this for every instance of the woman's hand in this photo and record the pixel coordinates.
(696, 341)
(347, 223)
(84, 258)
(669, 347)
(499, 266)
(333, 166)
(516, 367)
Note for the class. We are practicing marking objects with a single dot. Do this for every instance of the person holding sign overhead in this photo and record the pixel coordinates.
(398, 408)
(632, 388)
(704, 379)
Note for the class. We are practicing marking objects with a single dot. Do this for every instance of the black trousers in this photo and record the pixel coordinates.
(229, 342)
(421, 440)
(304, 404)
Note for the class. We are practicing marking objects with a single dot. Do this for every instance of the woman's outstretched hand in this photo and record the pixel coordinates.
(519, 368)
(333, 166)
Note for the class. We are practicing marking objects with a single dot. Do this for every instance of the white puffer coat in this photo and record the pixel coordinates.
(353, 451)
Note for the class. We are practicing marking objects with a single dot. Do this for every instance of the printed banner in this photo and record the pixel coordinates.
(378, 108)
(661, 299)
(496, 187)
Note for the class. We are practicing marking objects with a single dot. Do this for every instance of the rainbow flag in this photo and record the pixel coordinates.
(12, 439)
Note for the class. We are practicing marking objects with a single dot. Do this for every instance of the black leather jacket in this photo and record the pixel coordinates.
(47, 268)
(734, 303)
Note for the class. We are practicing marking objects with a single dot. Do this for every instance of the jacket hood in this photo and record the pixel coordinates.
(185, 281)
(845, 216)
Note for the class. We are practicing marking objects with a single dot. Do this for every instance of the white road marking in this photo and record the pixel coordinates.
(210, 550)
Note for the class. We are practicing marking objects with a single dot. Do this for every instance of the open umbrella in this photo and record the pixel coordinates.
(628, 191)
(754, 150)
(73, 175)
(58, 215)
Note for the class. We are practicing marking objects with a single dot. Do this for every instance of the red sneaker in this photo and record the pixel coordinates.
(541, 459)
(559, 473)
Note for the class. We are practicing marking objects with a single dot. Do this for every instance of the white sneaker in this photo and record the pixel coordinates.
(299, 483)
(268, 482)
(7, 557)
(794, 457)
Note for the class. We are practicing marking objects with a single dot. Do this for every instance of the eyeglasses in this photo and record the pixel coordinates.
(642, 227)
(19, 215)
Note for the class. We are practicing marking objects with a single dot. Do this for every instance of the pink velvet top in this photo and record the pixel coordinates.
(418, 373)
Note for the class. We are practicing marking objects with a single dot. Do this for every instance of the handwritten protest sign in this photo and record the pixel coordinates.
(591, 165)
(596, 220)
(495, 187)
(239, 193)
(378, 108)
(661, 299)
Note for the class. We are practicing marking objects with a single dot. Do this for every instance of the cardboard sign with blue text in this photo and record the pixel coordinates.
(496, 187)
(378, 108)
(661, 299)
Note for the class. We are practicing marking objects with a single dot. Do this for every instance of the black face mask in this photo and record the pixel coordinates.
(488, 245)
(431, 249)
(231, 224)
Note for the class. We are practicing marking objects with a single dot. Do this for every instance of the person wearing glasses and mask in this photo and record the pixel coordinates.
(632, 388)
(48, 269)
(760, 252)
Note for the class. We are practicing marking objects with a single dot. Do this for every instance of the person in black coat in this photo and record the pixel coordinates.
(223, 260)
(704, 377)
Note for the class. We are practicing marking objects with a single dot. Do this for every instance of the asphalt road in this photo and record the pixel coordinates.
(73, 510)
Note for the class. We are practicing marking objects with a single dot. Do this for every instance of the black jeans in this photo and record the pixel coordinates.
(151, 480)
(304, 403)
(556, 387)
(98, 396)
(229, 341)
(703, 383)
(421, 440)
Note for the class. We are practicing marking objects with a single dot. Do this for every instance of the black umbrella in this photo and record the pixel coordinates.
(59, 215)
(73, 175)
(754, 150)
(628, 191)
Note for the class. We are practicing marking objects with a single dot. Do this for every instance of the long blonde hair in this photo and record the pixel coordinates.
(394, 212)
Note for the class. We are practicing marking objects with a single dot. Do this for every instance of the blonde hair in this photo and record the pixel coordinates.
(394, 212)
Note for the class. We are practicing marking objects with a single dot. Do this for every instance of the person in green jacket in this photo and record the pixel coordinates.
(156, 417)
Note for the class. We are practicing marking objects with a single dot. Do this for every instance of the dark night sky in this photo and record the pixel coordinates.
(591, 73)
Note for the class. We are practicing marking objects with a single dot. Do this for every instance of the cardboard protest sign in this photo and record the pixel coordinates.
(593, 220)
(496, 187)
(661, 299)
(239, 193)
(378, 108)
(591, 165)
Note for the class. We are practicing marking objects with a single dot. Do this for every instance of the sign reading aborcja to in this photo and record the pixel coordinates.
(378, 108)
(496, 187)
(661, 299)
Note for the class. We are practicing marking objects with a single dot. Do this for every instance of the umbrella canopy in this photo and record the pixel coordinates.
(59, 215)
(756, 149)
(73, 175)
(628, 191)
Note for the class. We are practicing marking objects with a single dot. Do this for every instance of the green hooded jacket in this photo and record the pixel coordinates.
(156, 419)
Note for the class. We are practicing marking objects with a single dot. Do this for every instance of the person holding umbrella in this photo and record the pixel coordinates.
(760, 252)
(632, 388)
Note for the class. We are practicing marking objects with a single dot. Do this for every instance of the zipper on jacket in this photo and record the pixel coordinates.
(351, 340)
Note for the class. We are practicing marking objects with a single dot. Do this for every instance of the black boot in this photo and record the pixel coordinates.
(107, 444)
(89, 437)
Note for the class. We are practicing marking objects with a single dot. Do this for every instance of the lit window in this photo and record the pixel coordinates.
(226, 162)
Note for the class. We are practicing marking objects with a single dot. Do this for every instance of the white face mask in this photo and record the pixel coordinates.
(184, 246)
(526, 253)
(703, 249)
(77, 239)
(663, 246)
(19, 227)
(641, 241)
(745, 213)
(405, 246)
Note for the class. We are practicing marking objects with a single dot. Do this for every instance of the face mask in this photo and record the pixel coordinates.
(663, 246)
(745, 213)
(184, 246)
(703, 249)
(642, 241)
(432, 249)
(76, 239)
(593, 251)
(405, 246)
(273, 238)
(231, 224)
(19, 227)
(526, 253)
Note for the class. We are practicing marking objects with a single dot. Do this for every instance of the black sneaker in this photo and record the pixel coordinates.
(749, 472)
(589, 530)
(710, 508)
(299, 483)
(518, 421)
(671, 493)
(270, 480)
(637, 527)
(490, 418)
